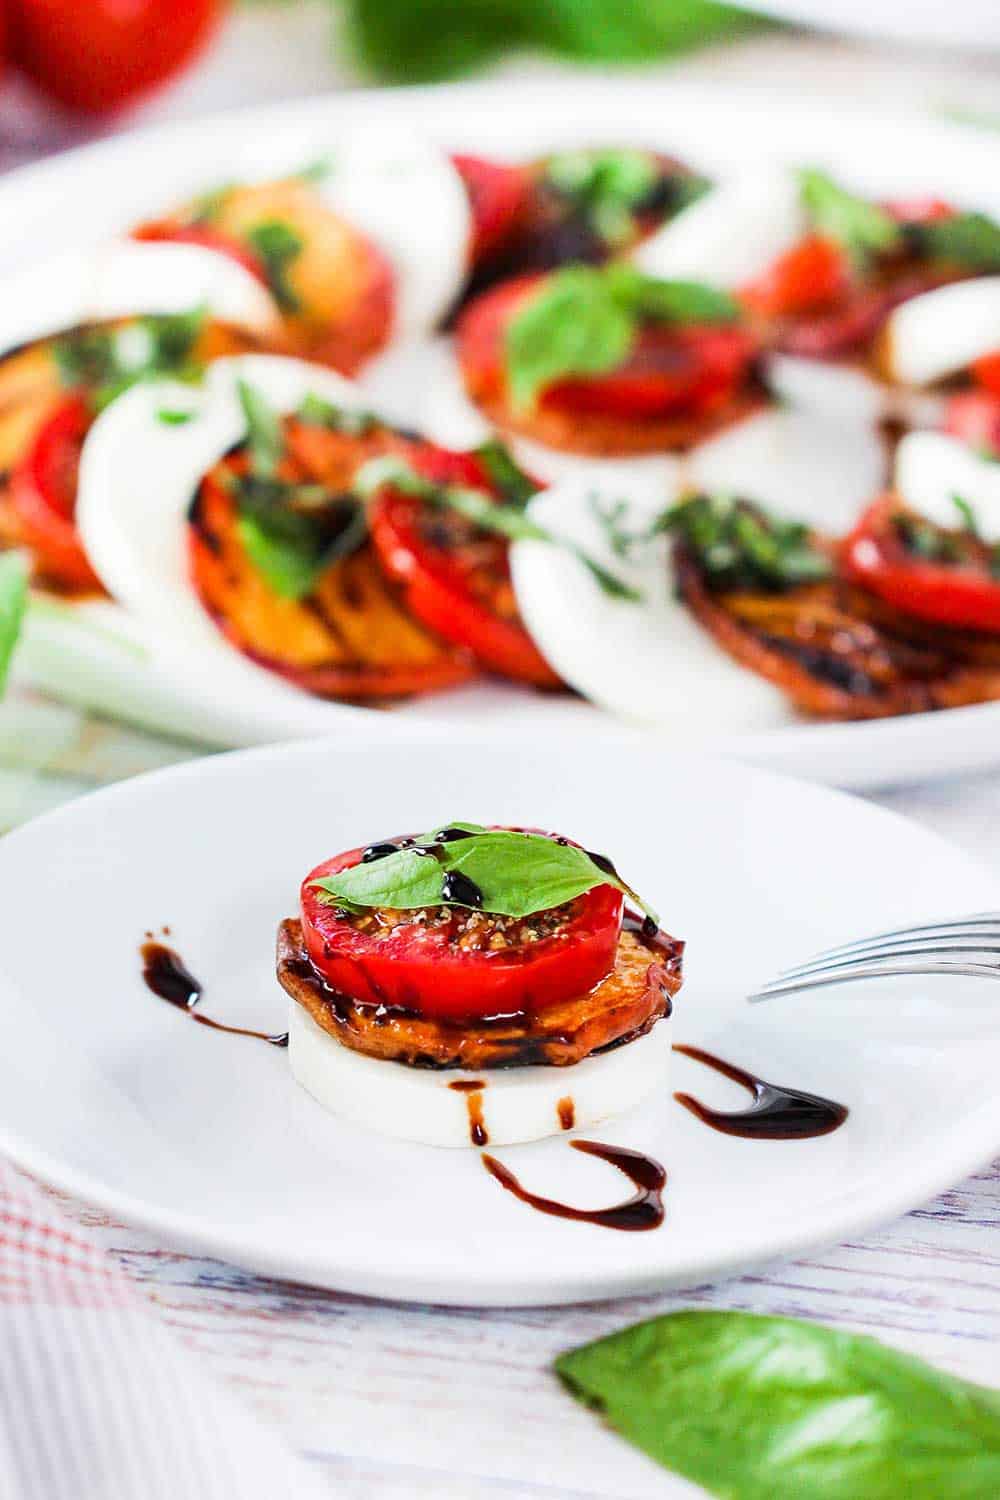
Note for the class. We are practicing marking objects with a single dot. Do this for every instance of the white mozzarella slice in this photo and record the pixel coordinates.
(407, 196)
(648, 661)
(797, 464)
(848, 392)
(932, 468)
(130, 278)
(943, 331)
(842, 391)
(518, 1104)
(732, 234)
(138, 476)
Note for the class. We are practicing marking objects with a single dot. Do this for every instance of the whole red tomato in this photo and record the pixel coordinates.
(97, 55)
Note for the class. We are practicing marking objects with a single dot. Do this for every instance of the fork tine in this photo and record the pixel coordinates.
(979, 921)
(952, 944)
(878, 970)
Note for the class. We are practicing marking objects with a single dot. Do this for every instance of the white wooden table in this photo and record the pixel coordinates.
(398, 1401)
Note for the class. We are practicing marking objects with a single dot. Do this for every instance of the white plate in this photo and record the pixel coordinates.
(113, 1095)
(84, 196)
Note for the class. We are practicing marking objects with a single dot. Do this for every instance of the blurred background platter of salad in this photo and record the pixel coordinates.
(72, 74)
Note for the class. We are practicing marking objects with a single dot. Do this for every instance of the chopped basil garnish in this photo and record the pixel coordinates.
(967, 514)
(292, 532)
(277, 245)
(317, 412)
(585, 320)
(13, 602)
(752, 1407)
(107, 360)
(511, 483)
(611, 518)
(861, 227)
(929, 542)
(515, 873)
(172, 417)
(488, 515)
(265, 439)
(606, 187)
(738, 546)
(970, 240)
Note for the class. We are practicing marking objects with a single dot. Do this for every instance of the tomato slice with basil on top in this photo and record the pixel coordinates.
(43, 495)
(458, 962)
(948, 577)
(671, 369)
(456, 577)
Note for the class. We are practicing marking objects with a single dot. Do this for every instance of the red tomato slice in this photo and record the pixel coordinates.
(986, 372)
(197, 234)
(498, 197)
(974, 416)
(443, 968)
(456, 580)
(43, 495)
(672, 369)
(962, 595)
(812, 275)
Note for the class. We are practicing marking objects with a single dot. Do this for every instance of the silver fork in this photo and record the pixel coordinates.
(958, 945)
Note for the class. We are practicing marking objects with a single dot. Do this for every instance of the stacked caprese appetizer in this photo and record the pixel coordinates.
(475, 986)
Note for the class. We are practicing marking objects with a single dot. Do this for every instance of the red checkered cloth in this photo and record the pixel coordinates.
(98, 1399)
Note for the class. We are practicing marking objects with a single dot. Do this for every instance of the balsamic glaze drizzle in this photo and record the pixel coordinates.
(776, 1114)
(167, 975)
(644, 1210)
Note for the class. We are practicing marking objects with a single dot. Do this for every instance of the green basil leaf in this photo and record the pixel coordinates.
(293, 533)
(967, 515)
(406, 880)
(109, 360)
(265, 437)
(971, 240)
(585, 320)
(511, 483)
(739, 546)
(278, 245)
(521, 873)
(861, 227)
(404, 42)
(13, 602)
(290, 571)
(517, 874)
(573, 326)
(606, 187)
(670, 301)
(756, 1408)
(173, 417)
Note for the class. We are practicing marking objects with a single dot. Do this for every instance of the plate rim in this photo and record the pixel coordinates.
(955, 1156)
